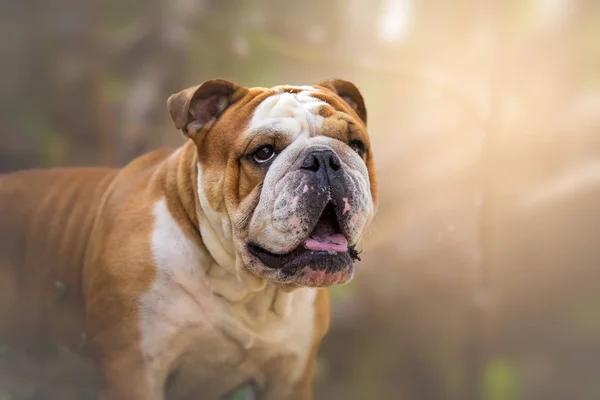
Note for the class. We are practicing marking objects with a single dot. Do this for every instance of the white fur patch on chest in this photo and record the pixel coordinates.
(177, 297)
(292, 113)
(180, 314)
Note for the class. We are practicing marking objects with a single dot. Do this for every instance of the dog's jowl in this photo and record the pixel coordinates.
(193, 272)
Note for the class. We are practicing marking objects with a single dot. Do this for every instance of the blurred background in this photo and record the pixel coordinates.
(481, 274)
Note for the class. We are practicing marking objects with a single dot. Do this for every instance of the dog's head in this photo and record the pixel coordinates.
(285, 176)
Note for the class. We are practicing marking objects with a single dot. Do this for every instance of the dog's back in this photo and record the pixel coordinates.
(40, 279)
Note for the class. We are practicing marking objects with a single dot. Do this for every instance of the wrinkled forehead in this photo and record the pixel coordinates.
(295, 111)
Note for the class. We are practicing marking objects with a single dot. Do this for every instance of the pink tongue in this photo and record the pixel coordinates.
(324, 239)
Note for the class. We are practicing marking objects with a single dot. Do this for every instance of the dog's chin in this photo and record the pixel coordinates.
(303, 267)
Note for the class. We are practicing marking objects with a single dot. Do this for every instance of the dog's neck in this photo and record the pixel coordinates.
(253, 300)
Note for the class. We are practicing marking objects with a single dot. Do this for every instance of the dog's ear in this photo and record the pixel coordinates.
(350, 94)
(198, 107)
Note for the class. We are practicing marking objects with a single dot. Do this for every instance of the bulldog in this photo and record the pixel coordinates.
(192, 272)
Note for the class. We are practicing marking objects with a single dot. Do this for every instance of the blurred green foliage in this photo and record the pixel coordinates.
(60, 290)
(500, 381)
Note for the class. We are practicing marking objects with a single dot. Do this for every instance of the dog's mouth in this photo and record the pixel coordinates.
(324, 258)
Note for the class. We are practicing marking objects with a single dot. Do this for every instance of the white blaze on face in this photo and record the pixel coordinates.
(292, 113)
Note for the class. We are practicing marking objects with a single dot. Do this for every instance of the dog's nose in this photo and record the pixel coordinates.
(324, 163)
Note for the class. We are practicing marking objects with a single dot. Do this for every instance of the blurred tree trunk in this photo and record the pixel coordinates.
(103, 121)
(159, 52)
(482, 346)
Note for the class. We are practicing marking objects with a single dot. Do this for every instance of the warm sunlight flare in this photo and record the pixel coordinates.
(431, 167)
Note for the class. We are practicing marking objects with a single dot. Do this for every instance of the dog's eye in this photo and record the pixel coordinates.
(358, 146)
(263, 154)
